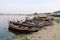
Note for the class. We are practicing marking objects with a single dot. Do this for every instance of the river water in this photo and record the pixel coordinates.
(5, 33)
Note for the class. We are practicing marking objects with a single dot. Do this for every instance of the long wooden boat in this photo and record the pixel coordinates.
(24, 24)
(24, 27)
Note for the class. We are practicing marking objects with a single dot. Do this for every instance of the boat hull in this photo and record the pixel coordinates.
(19, 30)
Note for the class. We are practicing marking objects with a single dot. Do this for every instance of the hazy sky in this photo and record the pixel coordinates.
(28, 6)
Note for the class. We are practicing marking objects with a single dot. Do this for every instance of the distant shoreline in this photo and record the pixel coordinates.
(29, 15)
(11, 14)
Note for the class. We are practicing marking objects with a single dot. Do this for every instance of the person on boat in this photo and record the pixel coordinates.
(49, 17)
(43, 22)
(39, 23)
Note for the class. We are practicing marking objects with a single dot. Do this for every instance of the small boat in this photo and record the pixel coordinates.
(23, 27)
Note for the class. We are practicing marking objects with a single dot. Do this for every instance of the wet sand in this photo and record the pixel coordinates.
(47, 33)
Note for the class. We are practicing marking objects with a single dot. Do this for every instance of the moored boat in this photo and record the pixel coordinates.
(23, 28)
(30, 25)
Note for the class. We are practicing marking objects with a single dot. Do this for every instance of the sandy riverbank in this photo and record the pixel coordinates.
(47, 33)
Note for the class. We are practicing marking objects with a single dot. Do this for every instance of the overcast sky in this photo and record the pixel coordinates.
(28, 6)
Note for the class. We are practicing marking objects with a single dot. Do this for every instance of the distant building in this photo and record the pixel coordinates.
(56, 13)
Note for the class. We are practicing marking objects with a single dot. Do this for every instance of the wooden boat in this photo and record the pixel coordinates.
(23, 27)
(26, 26)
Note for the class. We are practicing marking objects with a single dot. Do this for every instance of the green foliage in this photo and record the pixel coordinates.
(57, 20)
(25, 38)
(51, 23)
